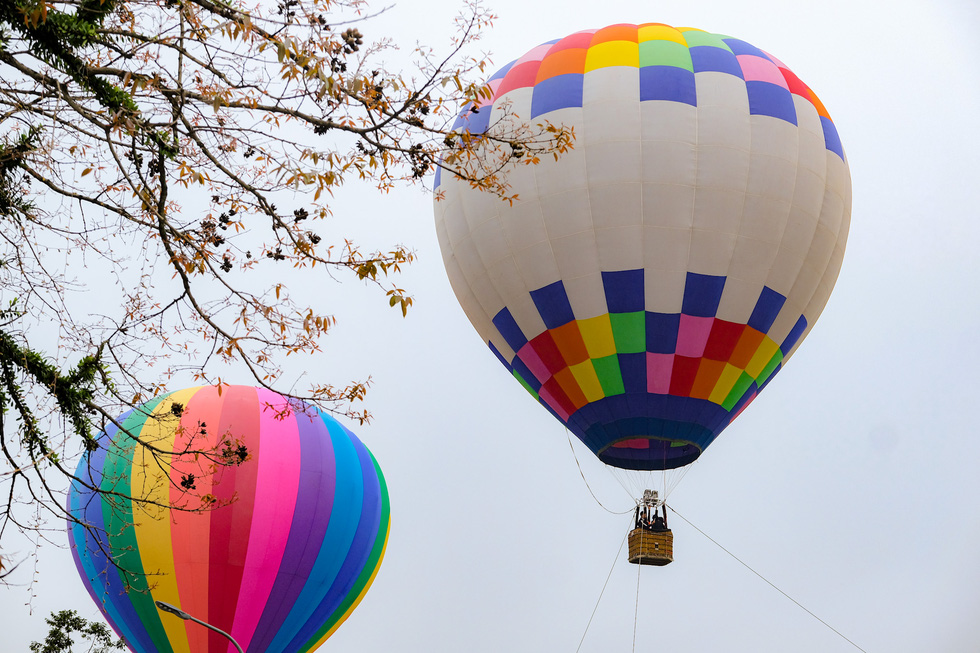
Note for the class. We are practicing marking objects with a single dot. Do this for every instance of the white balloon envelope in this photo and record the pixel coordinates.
(647, 285)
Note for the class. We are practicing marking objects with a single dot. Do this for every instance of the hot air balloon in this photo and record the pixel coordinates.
(645, 287)
(276, 551)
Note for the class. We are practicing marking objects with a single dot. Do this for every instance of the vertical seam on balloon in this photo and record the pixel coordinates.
(188, 529)
(247, 618)
(697, 172)
(318, 452)
(339, 527)
(469, 234)
(805, 305)
(357, 600)
(748, 177)
(813, 318)
(80, 534)
(130, 557)
(239, 411)
(135, 631)
(795, 183)
(844, 209)
(643, 230)
(148, 538)
(537, 189)
(366, 574)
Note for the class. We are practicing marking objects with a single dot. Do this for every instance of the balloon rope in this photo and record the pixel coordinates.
(582, 474)
(636, 608)
(678, 476)
(592, 616)
(768, 582)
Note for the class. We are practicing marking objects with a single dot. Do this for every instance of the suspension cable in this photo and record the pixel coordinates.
(636, 608)
(768, 582)
(582, 474)
(592, 616)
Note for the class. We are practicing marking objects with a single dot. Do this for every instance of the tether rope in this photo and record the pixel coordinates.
(636, 608)
(587, 486)
(768, 582)
(603, 591)
(711, 539)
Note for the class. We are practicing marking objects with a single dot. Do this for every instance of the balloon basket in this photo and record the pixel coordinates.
(648, 547)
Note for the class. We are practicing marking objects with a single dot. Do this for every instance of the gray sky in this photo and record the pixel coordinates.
(848, 483)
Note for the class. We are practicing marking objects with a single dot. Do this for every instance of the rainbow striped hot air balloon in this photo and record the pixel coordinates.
(294, 542)
(649, 284)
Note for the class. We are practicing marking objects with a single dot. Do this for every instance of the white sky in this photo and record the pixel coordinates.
(848, 483)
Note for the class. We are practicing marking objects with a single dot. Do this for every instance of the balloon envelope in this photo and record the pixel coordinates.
(647, 286)
(294, 538)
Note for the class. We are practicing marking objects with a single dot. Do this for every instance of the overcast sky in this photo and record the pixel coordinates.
(851, 482)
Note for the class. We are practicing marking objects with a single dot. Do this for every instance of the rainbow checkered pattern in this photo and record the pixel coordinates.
(667, 59)
(644, 359)
(677, 379)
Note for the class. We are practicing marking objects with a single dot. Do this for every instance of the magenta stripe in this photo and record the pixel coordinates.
(311, 516)
(757, 69)
(276, 488)
(659, 367)
(692, 335)
(534, 363)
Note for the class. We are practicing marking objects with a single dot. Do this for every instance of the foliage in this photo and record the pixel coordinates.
(183, 155)
(64, 624)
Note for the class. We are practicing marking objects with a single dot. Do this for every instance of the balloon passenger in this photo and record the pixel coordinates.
(656, 523)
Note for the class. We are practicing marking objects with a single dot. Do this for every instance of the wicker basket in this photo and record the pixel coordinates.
(651, 547)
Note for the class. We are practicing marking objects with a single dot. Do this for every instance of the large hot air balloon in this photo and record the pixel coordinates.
(648, 285)
(292, 541)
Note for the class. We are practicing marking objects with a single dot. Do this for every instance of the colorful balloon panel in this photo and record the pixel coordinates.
(295, 541)
(647, 286)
